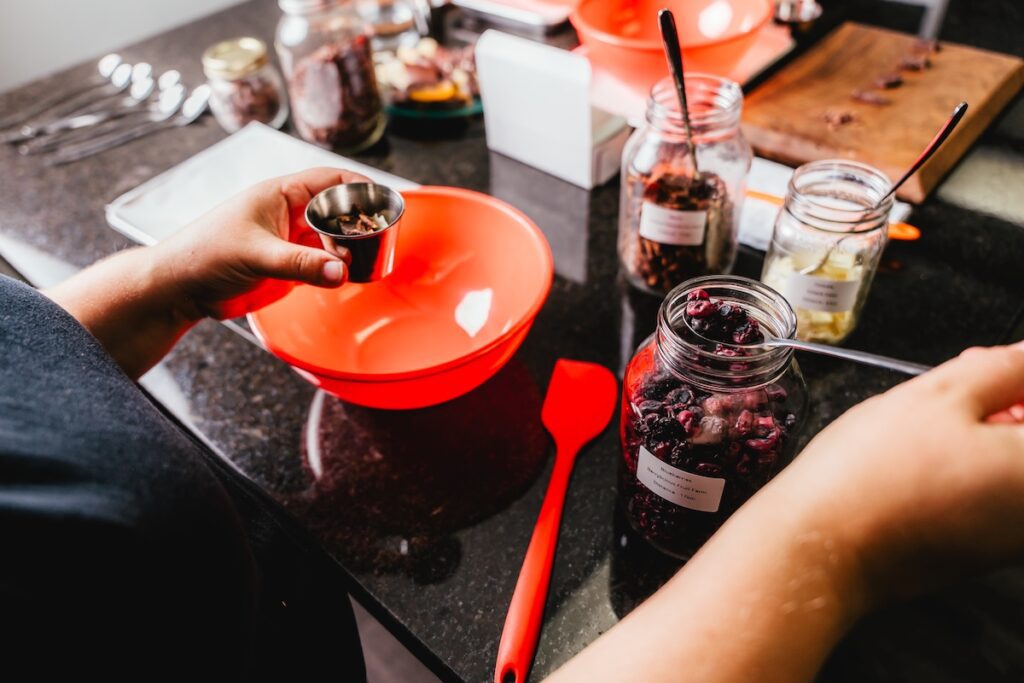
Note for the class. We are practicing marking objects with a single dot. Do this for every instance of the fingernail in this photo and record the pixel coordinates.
(333, 271)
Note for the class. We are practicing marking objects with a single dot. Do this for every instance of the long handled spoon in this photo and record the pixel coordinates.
(862, 357)
(674, 54)
(926, 154)
(580, 401)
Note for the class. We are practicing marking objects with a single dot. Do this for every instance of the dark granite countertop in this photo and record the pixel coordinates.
(428, 512)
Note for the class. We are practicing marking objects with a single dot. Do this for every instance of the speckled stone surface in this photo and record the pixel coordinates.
(428, 513)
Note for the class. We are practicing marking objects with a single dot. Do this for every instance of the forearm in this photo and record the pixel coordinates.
(765, 600)
(131, 304)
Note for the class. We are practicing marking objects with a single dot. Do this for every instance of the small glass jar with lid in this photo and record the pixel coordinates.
(708, 415)
(677, 222)
(826, 245)
(244, 86)
(325, 53)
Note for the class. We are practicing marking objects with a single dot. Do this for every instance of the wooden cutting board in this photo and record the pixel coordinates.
(787, 117)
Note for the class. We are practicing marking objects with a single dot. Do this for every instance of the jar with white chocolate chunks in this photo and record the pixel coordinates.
(826, 245)
(676, 221)
(708, 414)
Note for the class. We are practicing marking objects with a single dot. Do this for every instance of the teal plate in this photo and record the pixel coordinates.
(407, 113)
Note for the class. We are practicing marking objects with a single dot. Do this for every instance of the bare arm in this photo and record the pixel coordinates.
(236, 258)
(903, 493)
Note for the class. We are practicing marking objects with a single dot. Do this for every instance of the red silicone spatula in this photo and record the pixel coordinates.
(580, 401)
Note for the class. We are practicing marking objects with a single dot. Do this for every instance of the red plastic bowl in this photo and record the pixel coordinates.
(470, 276)
(623, 35)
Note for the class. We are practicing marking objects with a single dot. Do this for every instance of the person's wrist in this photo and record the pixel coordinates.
(824, 544)
(169, 273)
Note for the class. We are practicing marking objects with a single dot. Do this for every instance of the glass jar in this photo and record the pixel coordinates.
(324, 48)
(244, 86)
(828, 239)
(676, 223)
(707, 421)
(395, 23)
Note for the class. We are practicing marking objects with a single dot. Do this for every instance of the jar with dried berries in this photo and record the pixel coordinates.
(325, 53)
(244, 86)
(677, 222)
(708, 414)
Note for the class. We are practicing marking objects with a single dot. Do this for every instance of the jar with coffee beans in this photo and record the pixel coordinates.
(676, 221)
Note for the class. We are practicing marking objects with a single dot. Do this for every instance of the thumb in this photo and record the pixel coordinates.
(286, 261)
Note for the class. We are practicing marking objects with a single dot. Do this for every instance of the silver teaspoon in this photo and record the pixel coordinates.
(105, 68)
(192, 108)
(862, 357)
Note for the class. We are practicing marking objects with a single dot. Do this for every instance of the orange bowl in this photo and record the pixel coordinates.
(471, 274)
(623, 35)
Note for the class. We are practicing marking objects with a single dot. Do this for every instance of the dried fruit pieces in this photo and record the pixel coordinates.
(741, 437)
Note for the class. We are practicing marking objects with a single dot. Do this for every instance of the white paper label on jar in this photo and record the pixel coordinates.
(671, 226)
(676, 486)
(820, 293)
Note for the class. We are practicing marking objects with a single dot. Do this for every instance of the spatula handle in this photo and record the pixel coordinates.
(522, 624)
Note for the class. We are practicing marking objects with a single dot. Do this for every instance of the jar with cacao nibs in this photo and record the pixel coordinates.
(708, 415)
(325, 53)
(244, 86)
(677, 222)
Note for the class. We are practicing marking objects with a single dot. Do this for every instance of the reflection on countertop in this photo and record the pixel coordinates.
(407, 480)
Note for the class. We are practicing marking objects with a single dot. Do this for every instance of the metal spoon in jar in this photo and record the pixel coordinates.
(670, 39)
(862, 357)
(105, 68)
(929, 150)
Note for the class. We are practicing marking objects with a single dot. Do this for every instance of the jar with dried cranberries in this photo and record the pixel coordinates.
(677, 222)
(708, 414)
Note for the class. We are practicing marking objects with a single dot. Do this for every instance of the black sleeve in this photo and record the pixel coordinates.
(120, 552)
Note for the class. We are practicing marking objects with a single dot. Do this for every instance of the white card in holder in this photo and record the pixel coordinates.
(537, 108)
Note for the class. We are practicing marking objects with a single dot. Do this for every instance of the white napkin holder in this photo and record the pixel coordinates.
(537, 110)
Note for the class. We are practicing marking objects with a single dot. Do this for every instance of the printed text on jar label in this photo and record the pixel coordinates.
(671, 226)
(687, 490)
(820, 293)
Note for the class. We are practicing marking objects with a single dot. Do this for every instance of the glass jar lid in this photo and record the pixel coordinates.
(235, 58)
